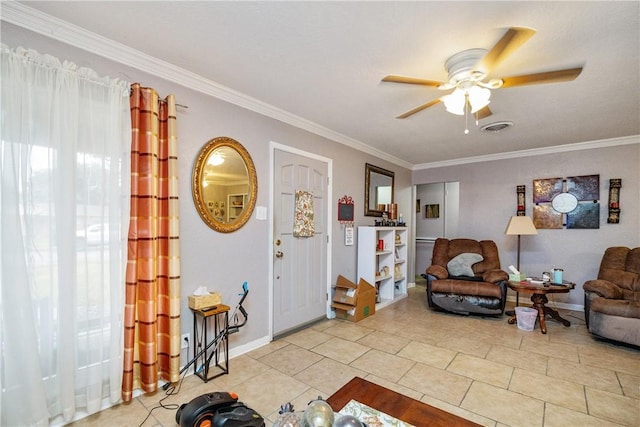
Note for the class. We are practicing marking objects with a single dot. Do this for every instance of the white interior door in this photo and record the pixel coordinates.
(299, 263)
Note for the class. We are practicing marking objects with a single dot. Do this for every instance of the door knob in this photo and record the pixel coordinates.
(279, 254)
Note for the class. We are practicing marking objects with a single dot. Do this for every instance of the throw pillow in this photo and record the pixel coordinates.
(461, 265)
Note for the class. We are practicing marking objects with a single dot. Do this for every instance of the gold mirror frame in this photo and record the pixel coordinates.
(370, 207)
(197, 185)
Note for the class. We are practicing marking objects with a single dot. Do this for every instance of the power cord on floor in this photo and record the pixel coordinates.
(169, 390)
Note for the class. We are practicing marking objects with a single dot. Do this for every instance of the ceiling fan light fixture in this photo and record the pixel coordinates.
(455, 102)
(478, 98)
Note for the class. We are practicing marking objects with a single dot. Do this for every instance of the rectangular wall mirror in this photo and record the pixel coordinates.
(378, 189)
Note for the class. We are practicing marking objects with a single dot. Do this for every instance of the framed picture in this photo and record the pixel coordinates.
(432, 211)
(348, 236)
(345, 209)
(544, 190)
(585, 188)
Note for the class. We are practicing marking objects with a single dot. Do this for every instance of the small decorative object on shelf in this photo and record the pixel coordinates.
(614, 201)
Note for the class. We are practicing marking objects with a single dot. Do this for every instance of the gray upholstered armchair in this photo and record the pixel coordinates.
(612, 301)
(465, 277)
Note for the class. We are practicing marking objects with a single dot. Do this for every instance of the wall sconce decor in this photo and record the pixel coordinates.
(572, 202)
(520, 211)
(614, 201)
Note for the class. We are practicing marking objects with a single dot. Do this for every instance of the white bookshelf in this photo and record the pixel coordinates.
(385, 268)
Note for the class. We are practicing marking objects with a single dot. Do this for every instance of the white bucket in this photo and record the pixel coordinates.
(526, 318)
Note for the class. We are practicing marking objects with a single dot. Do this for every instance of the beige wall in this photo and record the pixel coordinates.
(487, 192)
(488, 199)
(222, 262)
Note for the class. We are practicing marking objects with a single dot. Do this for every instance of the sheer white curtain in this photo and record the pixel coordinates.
(64, 196)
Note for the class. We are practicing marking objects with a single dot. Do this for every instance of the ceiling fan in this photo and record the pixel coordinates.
(468, 71)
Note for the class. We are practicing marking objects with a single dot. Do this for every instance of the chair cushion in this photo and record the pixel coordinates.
(466, 287)
(495, 276)
(437, 271)
(604, 288)
(461, 264)
(616, 307)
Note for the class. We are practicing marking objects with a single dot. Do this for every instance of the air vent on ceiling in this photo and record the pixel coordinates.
(496, 126)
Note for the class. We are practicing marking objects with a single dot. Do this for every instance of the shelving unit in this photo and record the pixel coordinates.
(385, 267)
(235, 204)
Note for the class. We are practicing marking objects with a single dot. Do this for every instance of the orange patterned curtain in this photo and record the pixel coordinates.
(152, 298)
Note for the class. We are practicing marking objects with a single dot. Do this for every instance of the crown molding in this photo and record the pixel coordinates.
(65, 32)
(31, 19)
(602, 143)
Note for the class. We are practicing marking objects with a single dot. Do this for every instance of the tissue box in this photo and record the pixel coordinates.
(517, 277)
(197, 302)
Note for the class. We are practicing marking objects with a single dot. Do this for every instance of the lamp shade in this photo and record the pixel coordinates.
(521, 226)
(478, 98)
(455, 102)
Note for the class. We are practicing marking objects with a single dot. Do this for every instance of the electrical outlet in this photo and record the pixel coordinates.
(186, 338)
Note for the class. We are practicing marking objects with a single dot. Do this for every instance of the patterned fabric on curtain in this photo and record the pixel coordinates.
(152, 294)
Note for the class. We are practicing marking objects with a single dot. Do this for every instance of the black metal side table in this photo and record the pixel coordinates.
(216, 348)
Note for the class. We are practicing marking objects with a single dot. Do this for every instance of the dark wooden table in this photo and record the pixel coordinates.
(539, 299)
(395, 404)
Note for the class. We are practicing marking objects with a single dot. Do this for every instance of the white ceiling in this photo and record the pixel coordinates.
(323, 62)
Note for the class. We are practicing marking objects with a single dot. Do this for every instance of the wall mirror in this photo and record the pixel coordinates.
(224, 184)
(378, 189)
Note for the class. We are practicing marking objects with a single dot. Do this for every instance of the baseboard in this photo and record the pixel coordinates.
(250, 346)
(553, 304)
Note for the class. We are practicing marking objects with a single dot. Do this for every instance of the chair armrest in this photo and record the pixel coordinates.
(438, 271)
(495, 276)
(603, 288)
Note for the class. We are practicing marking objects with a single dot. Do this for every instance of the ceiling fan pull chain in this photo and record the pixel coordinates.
(466, 115)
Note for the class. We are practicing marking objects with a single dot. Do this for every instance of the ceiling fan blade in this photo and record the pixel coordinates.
(512, 40)
(483, 113)
(418, 109)
(411, 81)
(546, 77)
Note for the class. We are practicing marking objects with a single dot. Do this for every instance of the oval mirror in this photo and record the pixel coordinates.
(224, 184)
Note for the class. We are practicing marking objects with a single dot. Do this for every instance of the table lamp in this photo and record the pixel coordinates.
(519, 226)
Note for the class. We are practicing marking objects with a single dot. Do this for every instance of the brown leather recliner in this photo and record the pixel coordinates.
(482, 290)
(612, 301)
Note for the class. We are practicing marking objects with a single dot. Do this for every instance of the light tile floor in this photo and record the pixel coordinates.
(482, 369)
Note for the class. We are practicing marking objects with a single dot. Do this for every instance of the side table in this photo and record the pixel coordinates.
(539, 299)
(219, 344)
